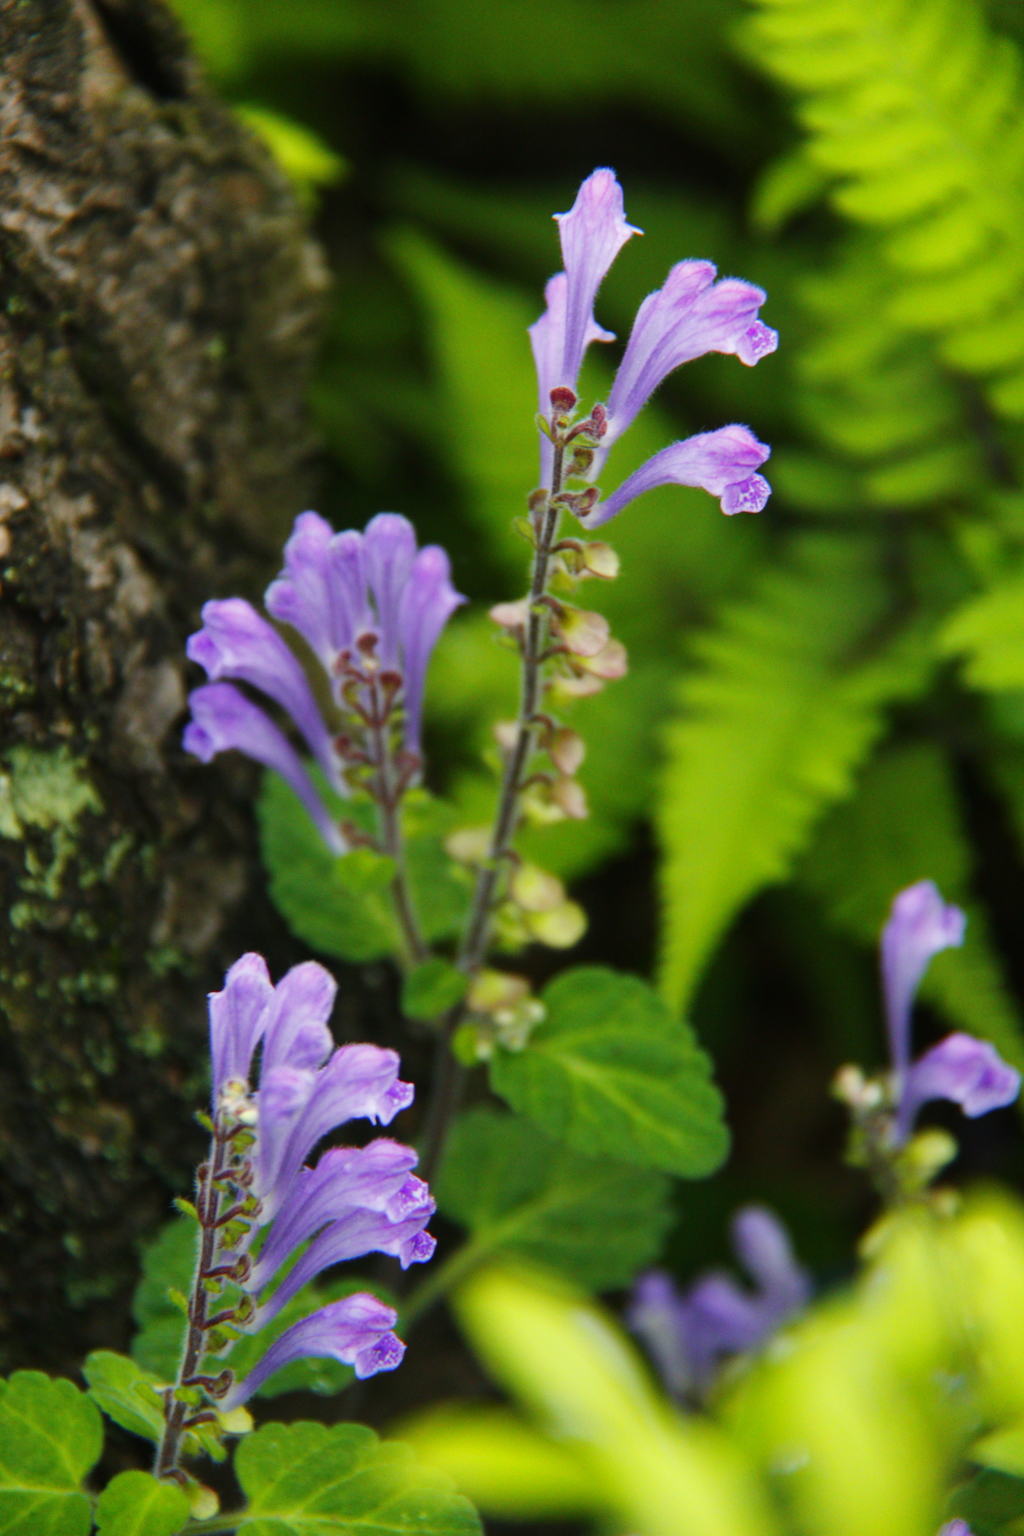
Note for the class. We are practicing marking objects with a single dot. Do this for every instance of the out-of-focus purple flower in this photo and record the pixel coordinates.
(688, 1335)
(357, 1331)
(964, 1070)
(722, 462)
(689, 316)
(592, 233)
(955, 1528)
(355, 1200)
(370, 606)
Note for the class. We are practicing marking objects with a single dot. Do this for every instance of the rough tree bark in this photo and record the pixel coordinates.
(159, 299)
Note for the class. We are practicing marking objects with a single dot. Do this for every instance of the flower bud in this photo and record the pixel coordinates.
(609, 663)
(534, 890)
(506, 734)
(569, 687)
(511, 615)
(561, 927)
(491, 991)
(571, 797)
(601, 560)
(583, 633)
(563, 399)
(567, 749)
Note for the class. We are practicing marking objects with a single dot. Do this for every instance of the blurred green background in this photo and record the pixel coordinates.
(798, 737)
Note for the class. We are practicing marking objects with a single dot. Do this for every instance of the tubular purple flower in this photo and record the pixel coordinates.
(224, 720)
(357, 1331)
(322, 590)
(592, 233)
(721, 462)
(547, 341)
(920, 925)
(235, 642)
(687, 1335)
(424, 608)
(689, 316)
(238, 1020)
(389, 549)
(966, 1071)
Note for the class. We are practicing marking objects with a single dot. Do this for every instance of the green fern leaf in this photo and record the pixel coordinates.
(904, 825)
(789, 698)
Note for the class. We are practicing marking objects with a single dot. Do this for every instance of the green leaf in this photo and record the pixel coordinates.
(613, 1074)
(518, 1192)
(125, 1392)
(135, 1504)
(989, 633)
(904, 825)
(789, 699)
(51, 1435)
(303, 156)
(989, 1501)
(167, 1264)
(308, 1480)
(432, 989)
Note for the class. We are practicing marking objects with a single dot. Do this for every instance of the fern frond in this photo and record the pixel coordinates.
(788, 697)
(902, 825)
(918, 109)
(989, 632)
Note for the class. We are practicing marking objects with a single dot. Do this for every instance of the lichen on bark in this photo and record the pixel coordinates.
(159, 305)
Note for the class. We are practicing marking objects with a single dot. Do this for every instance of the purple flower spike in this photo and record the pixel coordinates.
(966, 1071)
(547, 341)
(689, 316)
(592, 233)
(357, 1331)
(920, 925)
(238, 1020)
(224, 720)
(721, 462)
(363, 602)
(689, 1335)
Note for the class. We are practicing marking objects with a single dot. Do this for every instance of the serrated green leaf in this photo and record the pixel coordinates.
(167, 1264)
(613, 1074)
(518, 1192)
(308, 1480)
(432, 989)
(51, 1435)
(125, 1392)
(135, 1504)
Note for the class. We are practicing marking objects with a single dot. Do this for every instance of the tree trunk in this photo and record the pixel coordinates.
(159, 299)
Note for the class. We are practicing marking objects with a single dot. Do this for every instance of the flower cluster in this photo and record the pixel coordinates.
(688, 1336)
(353, 1201)
(371, 608)
(960, 1068)
(688, 317)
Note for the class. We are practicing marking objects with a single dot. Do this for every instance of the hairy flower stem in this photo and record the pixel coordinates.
(176, 1412)
(449, 1074)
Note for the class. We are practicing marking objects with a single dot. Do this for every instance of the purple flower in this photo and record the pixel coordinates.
(547, 340)
(955, 1528)
(592, 233)
(689, 316)
(371, 607)
(354, 1200)
(964, 1070)
(722, 462)
(689, 1335)
(357, 1331)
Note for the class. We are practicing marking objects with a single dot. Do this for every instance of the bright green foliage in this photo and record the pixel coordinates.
(50, 1437)
(916, 110)
(520, 1193)
(902, 826)
(135, 1504)
(789, 697)
(125, 1392)
(432, 988)
(301, 154)
(168, 1263)
(342, 906)
(613, 1074)
(989, 632)
(308, 1480)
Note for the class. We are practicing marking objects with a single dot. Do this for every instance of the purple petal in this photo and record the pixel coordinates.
(282, 1101)
(376, 1177)
(358, 1233)
(304, 595)
(356, 1331)
(236, 642)
(547, 341)
(359, 1082)
(592, 233)
(297, 1034)
(224, 720)
(655, 1316)
(763, 1247)
(427, 603)
(955, 1528)
(920, 925)
(238, 1017)
(966, 1071)
(389, 544)
(720, 462)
